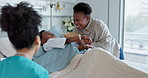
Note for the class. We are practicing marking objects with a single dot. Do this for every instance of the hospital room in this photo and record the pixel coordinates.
(73, 38)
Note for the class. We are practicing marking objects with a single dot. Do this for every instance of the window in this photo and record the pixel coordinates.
(136, 31)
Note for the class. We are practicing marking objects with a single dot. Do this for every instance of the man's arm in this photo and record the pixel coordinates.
(87, 40)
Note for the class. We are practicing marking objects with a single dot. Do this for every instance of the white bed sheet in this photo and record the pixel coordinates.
(98, 63)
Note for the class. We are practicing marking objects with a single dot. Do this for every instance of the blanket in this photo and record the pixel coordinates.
(98, 63)
(57, 58)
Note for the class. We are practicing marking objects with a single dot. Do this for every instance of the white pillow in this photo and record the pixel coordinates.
(56, 30)
(6, 47)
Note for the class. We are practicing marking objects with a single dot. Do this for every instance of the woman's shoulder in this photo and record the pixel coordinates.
(98, 21)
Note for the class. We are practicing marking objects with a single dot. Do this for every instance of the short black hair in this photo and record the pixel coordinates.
(41, 36)
(21, 24)
(83, 7)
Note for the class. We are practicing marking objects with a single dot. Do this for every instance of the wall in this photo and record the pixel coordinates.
(100, 9)
(113, 22)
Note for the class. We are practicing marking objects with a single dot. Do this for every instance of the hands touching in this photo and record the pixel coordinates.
(86, 40)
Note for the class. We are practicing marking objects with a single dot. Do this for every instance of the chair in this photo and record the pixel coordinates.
(121, 54)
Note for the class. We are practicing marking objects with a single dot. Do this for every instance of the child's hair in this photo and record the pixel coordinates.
(41, 35)
(83, 7)
(21, 24)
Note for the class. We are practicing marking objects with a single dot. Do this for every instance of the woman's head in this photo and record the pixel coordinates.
(21, 24)
(45, 35)
(81, 15)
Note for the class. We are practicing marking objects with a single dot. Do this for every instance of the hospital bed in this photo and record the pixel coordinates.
(94, 63)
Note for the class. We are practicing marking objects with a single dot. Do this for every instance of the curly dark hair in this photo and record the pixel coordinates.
(21, 24)
(83, 7)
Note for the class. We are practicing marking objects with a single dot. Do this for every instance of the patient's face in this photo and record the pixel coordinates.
(80, 20)
(47, 35)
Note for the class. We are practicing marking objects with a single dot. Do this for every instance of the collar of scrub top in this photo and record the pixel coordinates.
(25, 54)
(87, 29)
